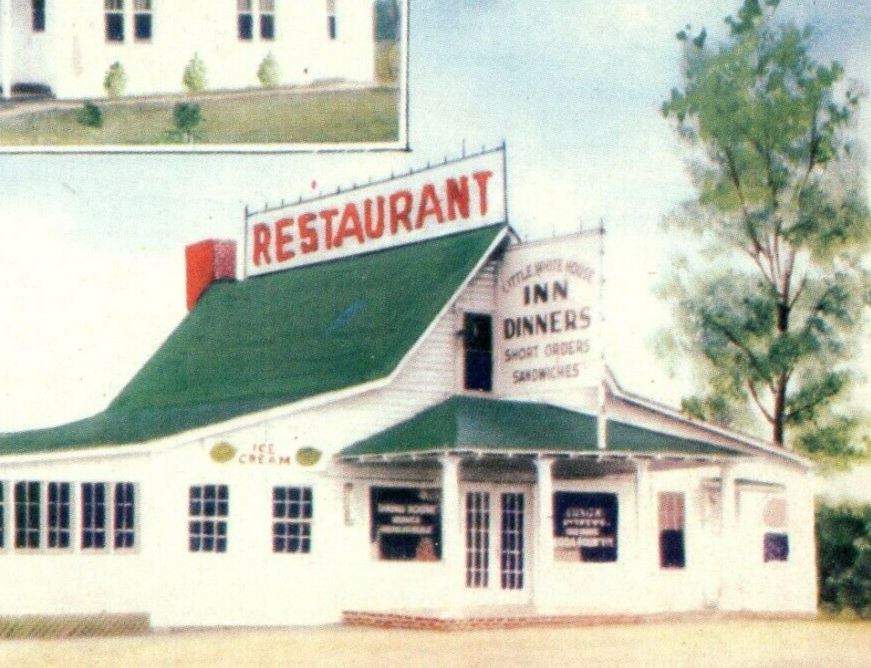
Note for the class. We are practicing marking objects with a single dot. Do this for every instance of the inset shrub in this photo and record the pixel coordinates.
(269, 74)
(90, 115)
(194, 77)
(186, 117)
(116, 80)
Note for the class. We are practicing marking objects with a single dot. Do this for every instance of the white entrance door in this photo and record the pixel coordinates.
(497, 546)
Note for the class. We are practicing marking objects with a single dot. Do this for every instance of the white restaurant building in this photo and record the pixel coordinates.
(400, 410)
(65, 47)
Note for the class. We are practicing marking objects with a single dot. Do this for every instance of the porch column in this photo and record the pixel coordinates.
(544, 546)
(453, 545)
(6, 48)
(730, 569)
(646, 550)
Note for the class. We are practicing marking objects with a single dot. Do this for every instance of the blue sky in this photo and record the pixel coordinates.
(91, 247)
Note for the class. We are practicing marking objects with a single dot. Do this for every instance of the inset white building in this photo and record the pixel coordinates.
(403, 415)
(66, 47)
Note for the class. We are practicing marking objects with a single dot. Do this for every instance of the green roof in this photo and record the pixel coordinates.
(278, 338)
(472, 423)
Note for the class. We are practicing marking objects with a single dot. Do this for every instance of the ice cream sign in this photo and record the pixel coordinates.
(453, 197)
(547, 320)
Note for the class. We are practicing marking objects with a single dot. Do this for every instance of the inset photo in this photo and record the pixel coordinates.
(216, 75)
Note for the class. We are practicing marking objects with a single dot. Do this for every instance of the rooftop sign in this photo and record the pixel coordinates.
(453, 197)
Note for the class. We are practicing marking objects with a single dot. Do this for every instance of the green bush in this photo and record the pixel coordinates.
(186, 117)
(269, 73)
(844, 558)
(116, 80)
(90, 115)
(194, 77)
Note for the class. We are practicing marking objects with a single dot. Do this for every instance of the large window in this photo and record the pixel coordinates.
(406, 523)
(97, 499)
(477, 539)
(38, 15)
(585, 526)
(267, 19)
(291, 519)
(114, 10)
(775, 542)
(245, 20)
(27, 511)
(208, 509)
(671, 530)
(332, 25)
(478, 351)
(58, 514)
(142, 27)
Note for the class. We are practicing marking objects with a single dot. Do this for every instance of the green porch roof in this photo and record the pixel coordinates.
(472, 423)
(278, 338)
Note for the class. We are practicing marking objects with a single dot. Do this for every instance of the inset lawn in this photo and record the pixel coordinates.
(367, 115)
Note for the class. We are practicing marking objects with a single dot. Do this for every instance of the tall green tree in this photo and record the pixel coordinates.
(781, 213)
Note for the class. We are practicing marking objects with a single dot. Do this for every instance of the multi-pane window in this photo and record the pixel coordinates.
(142, 19)
(291, 519)
(38, 15)
(775, 543)
(114, 10)
(332, 26)
(512, 548)
(671, 530)
(478, 351)
(125, 505)
(245, 21)
(208, 510)
(58, 514)
(267, 19)
(477, 539)
(27, 512)
(93, 515)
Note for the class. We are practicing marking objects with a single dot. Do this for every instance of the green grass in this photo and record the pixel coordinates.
(346, 116)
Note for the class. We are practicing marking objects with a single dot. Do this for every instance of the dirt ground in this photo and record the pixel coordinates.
(709, 644)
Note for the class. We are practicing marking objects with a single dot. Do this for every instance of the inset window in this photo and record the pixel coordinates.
(292, 518)
(58, 515)
(267, 19)
(478, 351)
(125, 518)
(38, 15)
(208, 509)
(775, 542)
(245, 22)
(93, 515)
(114, 10)
(332, 25)
(142, 20)
(671, 530)
(27, 514)
(477, 539)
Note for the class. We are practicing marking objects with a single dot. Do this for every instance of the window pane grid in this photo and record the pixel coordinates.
(292, 509)
(58, 514)
(512, 548)
(204, 534)
(477, 539)
(124, 515)
(93, 515)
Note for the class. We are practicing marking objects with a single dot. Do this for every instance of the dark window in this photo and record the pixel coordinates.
(291, 514)
(671, 530)
(58, 514)
(93, 515)
(331, 27)
(27, 511)
(142, 26)
(267, 26)
(38, 7)
(511, 553)
(478, 346)
(115, 27)
(246, 26)
(124, 515)
(208, 508)
(406, 523)
(776, 547)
